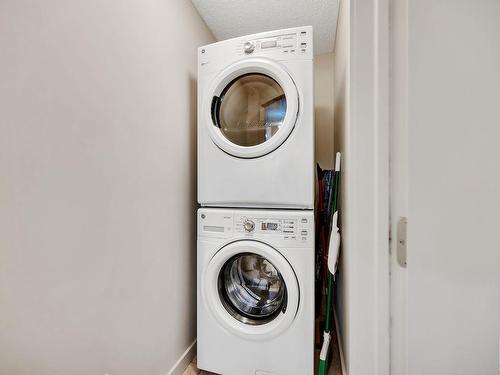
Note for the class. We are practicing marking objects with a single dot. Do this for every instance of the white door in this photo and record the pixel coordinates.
(251, 108)
(451, 156)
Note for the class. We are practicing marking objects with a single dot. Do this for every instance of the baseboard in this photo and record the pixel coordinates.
(339, 341)
(184, 361)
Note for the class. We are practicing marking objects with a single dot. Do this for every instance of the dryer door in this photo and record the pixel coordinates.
(251, 108)
(251, 289)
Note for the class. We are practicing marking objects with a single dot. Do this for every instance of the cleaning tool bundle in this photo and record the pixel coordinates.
(323, 226)
(333, 252)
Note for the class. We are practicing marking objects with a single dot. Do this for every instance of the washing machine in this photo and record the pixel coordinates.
(256, 121)
(255, 291)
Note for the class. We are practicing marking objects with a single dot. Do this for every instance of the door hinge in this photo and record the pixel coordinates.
(401, 246)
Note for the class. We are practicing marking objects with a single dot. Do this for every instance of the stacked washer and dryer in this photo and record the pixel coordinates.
(255, 288)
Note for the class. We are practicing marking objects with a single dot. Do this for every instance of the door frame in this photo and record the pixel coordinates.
(399, 182)
(366, 225)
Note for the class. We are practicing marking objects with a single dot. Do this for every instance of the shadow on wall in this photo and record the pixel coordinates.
(324, 109)
(324, 136)
(193, 183)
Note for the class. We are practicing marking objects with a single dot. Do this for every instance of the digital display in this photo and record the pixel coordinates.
(269, 226)
(268, 44)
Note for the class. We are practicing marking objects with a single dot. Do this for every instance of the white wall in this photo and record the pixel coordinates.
(341, 113)
(323, 109)
(97, 185)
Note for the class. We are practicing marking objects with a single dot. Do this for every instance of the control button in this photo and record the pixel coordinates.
(268, 44)
(304, 233)
(303, 44)
(249, 47)
(249, 225)
(303, 220)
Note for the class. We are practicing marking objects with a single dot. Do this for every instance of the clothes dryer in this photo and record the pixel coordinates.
(256, 121)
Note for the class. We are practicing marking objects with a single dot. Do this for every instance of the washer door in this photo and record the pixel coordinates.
(251, 289)
(252, 108)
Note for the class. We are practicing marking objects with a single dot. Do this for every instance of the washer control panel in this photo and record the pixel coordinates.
(289, 228)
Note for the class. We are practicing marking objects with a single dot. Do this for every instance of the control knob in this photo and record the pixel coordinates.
(249, 225)
(249, 47)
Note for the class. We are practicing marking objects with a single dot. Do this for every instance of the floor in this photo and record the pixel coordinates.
(192, 369)
(335, 367)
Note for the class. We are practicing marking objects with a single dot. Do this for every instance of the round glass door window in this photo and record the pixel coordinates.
(252, 289)
(250, 110)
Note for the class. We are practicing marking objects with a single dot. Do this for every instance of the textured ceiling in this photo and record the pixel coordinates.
(232, 18)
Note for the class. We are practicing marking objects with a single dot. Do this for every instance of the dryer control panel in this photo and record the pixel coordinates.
(287, 228)
(289, 43)
(280, 45)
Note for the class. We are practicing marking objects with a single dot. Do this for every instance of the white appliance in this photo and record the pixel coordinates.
(256, 121)
(255, 291)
